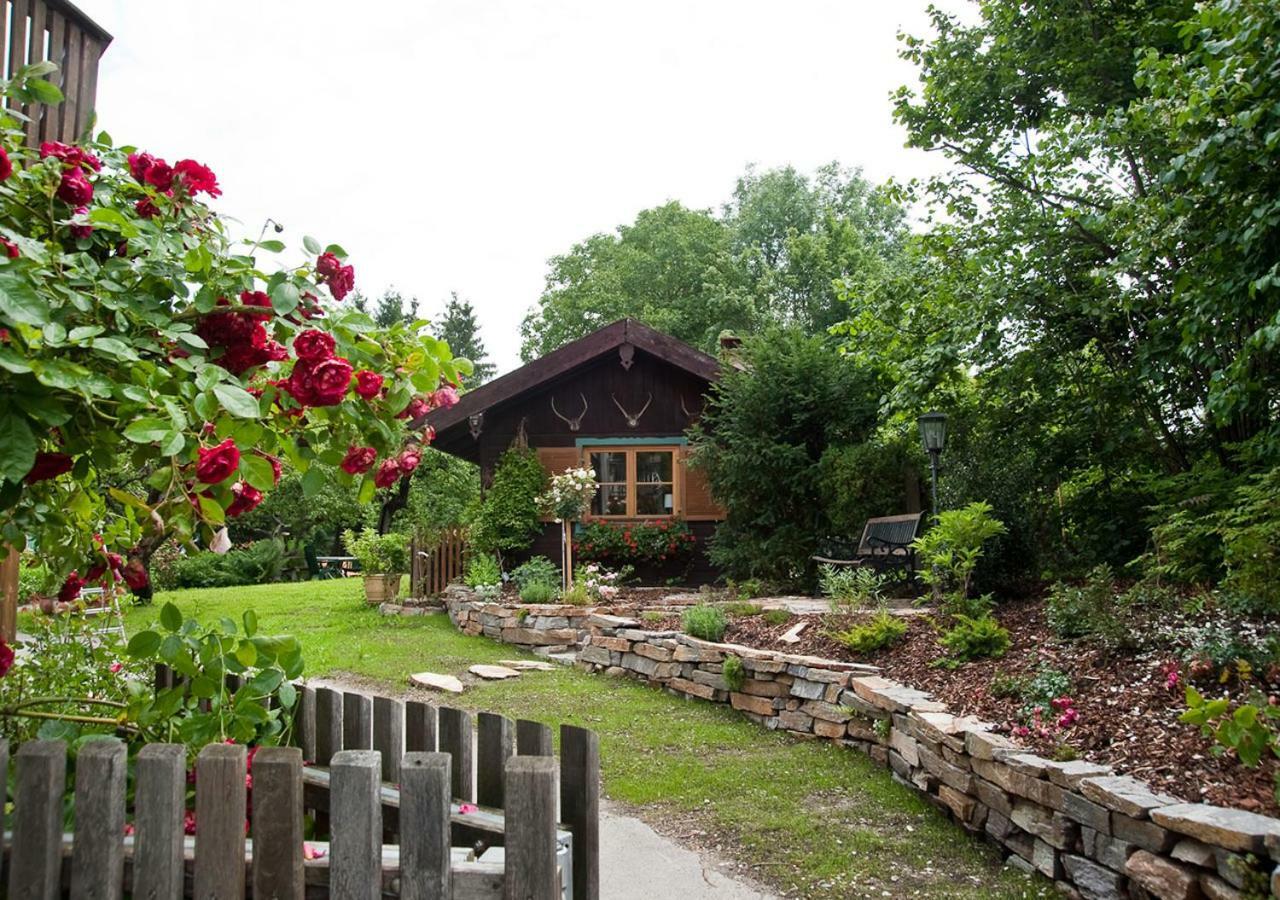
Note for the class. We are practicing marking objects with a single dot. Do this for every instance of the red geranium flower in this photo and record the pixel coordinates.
(247, 497)
(48, 465)
(387, 473)
(359, 459)
(217, 463)
(368, 384)
(313, 345)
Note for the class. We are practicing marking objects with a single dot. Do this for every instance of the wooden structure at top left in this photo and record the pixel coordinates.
(33, 31)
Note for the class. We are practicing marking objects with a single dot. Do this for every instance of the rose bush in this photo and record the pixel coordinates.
(155, 371)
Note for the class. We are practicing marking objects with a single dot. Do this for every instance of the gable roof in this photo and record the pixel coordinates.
(562, 361)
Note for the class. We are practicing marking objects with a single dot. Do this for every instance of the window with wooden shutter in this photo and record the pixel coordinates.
(559, 459)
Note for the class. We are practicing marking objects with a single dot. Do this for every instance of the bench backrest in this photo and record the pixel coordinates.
(888, 533)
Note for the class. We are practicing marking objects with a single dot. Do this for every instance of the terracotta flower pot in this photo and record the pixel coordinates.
(381, 588)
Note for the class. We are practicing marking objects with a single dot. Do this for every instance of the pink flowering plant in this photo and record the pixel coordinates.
(156, 373)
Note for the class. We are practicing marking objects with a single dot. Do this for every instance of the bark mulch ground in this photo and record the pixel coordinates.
(1127, 704)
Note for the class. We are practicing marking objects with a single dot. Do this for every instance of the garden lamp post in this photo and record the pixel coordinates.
(933, 436)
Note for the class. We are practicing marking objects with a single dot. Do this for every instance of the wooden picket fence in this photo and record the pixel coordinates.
(437, 562)
(394, 783)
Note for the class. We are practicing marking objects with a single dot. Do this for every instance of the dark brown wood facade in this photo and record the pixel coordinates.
(33, 31)
(625, 386)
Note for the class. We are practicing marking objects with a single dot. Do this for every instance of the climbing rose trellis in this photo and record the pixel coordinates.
(155, 374)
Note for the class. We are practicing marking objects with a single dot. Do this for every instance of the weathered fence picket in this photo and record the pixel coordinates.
(357, 721)
(419, 799)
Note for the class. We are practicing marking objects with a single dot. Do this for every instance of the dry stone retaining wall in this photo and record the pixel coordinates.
(1098, 834)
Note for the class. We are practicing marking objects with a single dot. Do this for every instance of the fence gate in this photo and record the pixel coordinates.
(437, 561)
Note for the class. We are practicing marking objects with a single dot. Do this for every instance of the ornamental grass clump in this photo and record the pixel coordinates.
(705, 622)
(882, 630)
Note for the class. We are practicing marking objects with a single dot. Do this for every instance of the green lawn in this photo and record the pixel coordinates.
(812, 819)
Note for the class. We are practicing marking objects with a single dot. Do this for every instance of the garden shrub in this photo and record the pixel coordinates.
(741, 609)
(652, 615)
(577, 595)
(974, 638)
(537, 592)
(378, 554)
(1251, 542)
(506, 518)
(705, 622)
(482, 569)
(537, 570)
(861, 481)
(258, 563)
(777, 616)
(850, 588)
(1075, 611)
(34, 577)
(882, 630)
(949, 551)
(733, 672)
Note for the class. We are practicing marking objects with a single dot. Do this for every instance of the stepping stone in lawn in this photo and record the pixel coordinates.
(527, 664)
(436, 682)
(493, 673)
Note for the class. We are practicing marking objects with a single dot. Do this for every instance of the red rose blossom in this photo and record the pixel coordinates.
(146, 208)
(368, 384)
(275, 466)
(323, 383)
(246, 498)
(359, 459)
(409, 460)
(75, 189)
(6, 167)
(217, 463)
(159, 175)
(81, 229)
(48, 465)
(6, 658)
(139, 163)
(10, 248)
(417, 408)
(331, 272)
(71, 588)
(313, 346)
(197, 178)
(69, 155)
(387, 473)
(444, 398)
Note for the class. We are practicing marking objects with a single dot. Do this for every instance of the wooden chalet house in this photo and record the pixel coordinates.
(617, 401)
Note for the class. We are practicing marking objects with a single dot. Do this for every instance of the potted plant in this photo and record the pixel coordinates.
(383, 559)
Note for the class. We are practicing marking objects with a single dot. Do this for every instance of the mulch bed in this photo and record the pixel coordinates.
(1128, 713)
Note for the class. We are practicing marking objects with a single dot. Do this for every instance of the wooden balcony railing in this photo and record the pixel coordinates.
(33, 31)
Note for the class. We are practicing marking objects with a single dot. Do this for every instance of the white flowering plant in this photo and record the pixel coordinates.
(568, 498)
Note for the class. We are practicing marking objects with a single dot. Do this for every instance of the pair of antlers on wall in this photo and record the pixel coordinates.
(633, 420)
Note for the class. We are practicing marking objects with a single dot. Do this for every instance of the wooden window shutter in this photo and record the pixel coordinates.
(698, 503)
(559, 459)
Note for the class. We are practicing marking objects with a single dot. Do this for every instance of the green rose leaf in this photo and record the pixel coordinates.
(272, 246)
(147, 430)
(285, 298)
(17, 446)
(257, 471)
(237, 401)
(312, 245)
(143, 645)
(170, 617)
(20, 302)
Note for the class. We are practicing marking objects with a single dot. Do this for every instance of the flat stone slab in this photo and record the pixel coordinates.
(436, 682)
(532, 665)
(493, 673)
(1125, 795)
(1234, 829)
(793, 633)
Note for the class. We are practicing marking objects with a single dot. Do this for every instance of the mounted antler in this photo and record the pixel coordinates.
(632, 421)
(684, 409)
(576, 422)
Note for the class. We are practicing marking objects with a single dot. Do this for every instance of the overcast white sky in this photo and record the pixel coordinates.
(458, 144)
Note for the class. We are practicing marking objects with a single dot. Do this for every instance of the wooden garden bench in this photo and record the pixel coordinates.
(885, 545)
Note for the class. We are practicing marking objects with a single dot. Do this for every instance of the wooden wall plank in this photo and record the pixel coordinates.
(220, 811)
(277, 824)
(355, 870)
(305, 722)
(328, 724)
(424, 827)
(35, 859)
(97, 862)
(531, 871)
(580, 806)
(159, 798)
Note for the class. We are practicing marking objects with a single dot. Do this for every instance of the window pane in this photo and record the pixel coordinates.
(653, 500)
(653, 465)
(609, 466)
(610, 500)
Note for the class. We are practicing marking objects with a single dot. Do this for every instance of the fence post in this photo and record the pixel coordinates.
(35, 860)
(355, 870)
(419, 727)
(425, 865)
(277, 823)
(533, 739)
(494, 745)
(97, 861)
(305, 722)
(388, 735)
(357, 721)
(455, 739)
(580, 806)
(328, 724)
(220, 807)
(531, 872)
(158, 812)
